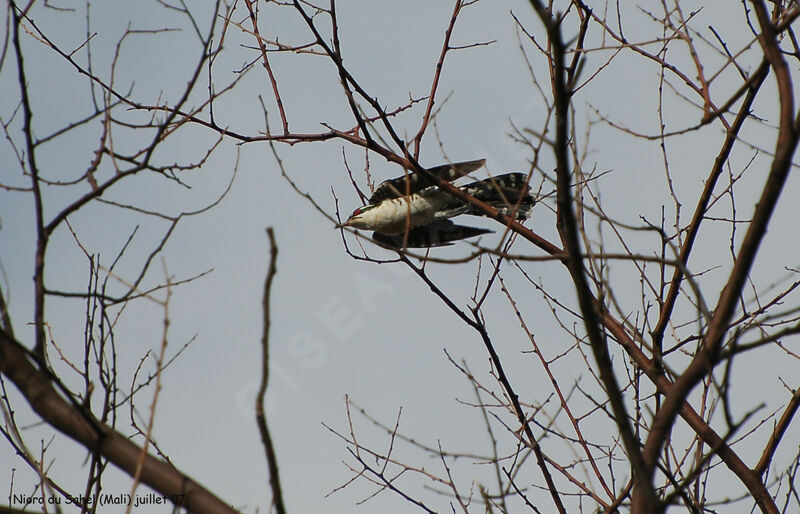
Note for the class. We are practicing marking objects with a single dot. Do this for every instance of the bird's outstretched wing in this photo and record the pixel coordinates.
(438, 233)
(413, 182)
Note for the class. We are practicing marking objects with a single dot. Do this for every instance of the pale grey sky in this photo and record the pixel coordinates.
(340, 326)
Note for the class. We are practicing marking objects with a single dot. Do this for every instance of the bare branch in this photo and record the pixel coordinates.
(261, 418)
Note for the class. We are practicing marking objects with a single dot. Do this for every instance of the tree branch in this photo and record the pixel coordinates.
(591, 309)
(81, 426)
(261, 420)
(708, 356)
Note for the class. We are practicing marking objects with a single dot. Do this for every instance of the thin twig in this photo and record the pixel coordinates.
(261, 419)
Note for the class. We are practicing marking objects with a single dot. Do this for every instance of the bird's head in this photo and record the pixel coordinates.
(360, 218)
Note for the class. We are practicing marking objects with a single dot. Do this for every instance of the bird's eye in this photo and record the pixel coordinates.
(356, 212)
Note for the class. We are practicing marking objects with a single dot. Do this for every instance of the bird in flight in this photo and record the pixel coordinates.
(412, 211)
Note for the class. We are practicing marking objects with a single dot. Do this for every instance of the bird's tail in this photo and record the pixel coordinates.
(508, 193)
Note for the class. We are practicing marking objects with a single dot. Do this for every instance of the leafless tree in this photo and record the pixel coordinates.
(77, 387)
(645, 410)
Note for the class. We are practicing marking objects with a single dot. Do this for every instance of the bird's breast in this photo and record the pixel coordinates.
(393, 216)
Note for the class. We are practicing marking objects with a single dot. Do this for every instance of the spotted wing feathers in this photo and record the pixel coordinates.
(412, 182)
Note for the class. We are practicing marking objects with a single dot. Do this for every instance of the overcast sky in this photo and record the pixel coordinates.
(339, 326)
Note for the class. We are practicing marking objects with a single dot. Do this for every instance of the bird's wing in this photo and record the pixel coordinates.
(412, 182)
(438, 233)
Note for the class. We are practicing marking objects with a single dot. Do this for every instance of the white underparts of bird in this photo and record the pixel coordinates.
(411, 210)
